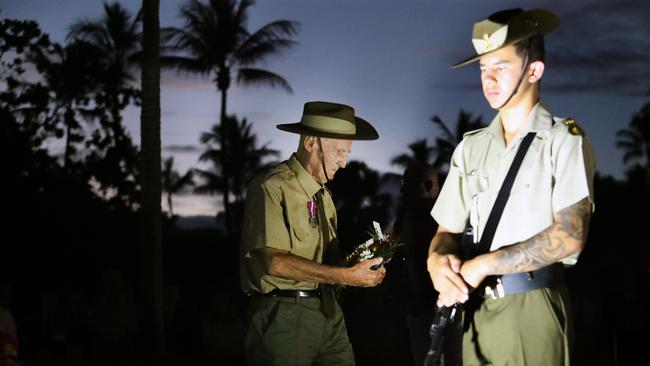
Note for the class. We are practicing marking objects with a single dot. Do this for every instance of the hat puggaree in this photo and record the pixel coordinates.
(332, 120)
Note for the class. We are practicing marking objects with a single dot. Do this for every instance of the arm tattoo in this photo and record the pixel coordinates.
(574, 220)
(549, 246)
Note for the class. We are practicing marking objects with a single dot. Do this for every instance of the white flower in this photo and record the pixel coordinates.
(367, 243)
(365, 254)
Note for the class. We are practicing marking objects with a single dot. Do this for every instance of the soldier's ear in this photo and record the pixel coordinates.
(535, 71)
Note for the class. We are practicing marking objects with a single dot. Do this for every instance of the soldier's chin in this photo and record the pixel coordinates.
(494, 103)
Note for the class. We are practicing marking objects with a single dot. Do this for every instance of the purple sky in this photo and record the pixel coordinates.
(390, 60)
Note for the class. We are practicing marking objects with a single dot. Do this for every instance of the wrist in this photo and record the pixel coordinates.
(484, 264)
(341, 276)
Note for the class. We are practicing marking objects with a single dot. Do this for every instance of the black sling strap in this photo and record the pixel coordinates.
(500, 203)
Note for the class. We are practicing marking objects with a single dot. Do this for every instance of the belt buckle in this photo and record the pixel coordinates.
(496, 293)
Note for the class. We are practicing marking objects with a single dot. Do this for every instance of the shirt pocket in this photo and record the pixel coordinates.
(305, 238)
(476, 182)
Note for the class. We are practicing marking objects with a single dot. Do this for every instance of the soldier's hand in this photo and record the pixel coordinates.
(362, 274)
(445, 276)
(474, 271)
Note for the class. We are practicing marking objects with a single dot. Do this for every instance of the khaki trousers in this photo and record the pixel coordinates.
(291, 332)
(531, 328)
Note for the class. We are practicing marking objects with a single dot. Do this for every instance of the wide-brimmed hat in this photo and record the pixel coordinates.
(508, 27)
(333, 120)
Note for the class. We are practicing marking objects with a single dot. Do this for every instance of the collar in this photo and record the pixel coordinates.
(539, 119)
(306, 180)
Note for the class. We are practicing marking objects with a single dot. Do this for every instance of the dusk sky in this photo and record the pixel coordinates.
(390, 61)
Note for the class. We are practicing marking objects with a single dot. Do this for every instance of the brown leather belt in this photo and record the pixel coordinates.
(292, 293)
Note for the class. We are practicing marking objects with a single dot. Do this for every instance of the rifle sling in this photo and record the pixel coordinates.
(500, 203)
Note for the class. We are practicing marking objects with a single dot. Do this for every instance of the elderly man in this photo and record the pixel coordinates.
(289, 248)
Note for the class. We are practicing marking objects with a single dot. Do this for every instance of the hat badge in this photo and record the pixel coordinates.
(490, 42)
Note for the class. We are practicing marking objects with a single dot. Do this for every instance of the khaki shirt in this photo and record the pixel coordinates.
(276, 216)
(557, 171)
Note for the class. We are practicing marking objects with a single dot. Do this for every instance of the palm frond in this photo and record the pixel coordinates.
(187, 180)
(90, 31)
(272, 39)
(212, 155)
(402, 160)
(212, 182)
(185, 65)
(262, 77)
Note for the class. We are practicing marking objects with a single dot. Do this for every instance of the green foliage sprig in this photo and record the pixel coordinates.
(378, 245)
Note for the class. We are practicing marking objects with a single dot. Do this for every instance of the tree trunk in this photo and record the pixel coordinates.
(170, 204)
(224, 163)
(68, 144)
(152, 314)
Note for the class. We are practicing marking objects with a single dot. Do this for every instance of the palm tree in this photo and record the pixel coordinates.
(446, 143)
(172, 182)
(635, 139)
(231, 146)
(215, 42)
(152, 282)
(420, 152)
(359, 201)
(116, 38)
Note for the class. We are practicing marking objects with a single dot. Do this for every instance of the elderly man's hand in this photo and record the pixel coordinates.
(362, 274)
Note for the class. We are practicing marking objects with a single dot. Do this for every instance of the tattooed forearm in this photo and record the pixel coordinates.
(534, 253)
(565, 237)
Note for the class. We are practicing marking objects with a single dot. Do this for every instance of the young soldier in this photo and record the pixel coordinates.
(523, 318)
(289, 247)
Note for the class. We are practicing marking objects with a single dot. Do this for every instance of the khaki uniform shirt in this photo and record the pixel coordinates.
(556, 172)
(276, 215)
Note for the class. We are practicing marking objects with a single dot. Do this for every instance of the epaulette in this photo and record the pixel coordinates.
(474, 132)
(280, 171)
(574, 129)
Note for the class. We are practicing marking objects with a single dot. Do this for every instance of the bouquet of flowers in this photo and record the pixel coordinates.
(379, 245)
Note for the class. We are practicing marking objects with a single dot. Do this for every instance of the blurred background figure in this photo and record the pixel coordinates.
(416, 227)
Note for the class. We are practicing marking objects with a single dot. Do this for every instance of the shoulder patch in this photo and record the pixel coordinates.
(574, 129)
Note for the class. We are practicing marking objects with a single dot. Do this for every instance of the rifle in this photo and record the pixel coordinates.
(445, 316)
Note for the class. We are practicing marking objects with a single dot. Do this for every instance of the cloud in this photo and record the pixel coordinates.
(195, 205)
(186, 81)
(602, 46)
(181, 149)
